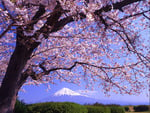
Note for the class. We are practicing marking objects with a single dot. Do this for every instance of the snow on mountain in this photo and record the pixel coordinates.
(66, 91)
(68, 95)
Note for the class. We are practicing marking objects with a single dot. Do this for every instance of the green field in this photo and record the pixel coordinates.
(138, 112)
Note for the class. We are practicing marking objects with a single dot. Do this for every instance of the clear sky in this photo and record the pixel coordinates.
(35, 94)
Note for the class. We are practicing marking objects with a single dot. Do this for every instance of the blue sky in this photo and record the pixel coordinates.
(35, 94)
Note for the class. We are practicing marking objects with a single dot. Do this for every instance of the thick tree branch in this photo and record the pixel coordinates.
(118, 5)
(58, 25)
(40, 12)
(6, 30)
(24, 77)
(36, 17)
(51, 21)
(46, 72)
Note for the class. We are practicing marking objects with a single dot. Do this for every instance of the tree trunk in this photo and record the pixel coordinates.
(10, 87)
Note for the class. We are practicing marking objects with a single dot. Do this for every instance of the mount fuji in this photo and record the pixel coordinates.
(68, 95)
(66, 92)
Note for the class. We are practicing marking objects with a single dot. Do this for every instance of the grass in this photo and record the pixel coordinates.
(138, 112)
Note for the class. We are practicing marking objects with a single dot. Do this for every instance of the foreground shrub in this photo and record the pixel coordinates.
(126, 108)
(51, 107)
(98, 104)
(20, 107)
(117, 109)
(141, 108)
(98, 109)
(117, 105)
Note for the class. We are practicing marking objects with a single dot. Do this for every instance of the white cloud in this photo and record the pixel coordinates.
(88, 93)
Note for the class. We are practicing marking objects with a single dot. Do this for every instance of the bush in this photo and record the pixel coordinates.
(51, 107)
(73, 108)
(98, 104)
(141, 108)
(98, 109)
(113, 105)
(20, 107)
(126, 108)
(117, 109)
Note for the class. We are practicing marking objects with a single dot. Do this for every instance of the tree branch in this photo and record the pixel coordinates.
(82, 63)
(55, 25)
(131, 48)
(51, 21)
(6, 30)
(146, 16)
(36, 17)
(126, 17)
(117, 5)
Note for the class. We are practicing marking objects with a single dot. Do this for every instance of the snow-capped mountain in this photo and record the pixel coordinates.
(66, 91)
(68, 95)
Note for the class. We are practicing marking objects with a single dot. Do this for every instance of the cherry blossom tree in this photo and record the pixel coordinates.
(99, 41)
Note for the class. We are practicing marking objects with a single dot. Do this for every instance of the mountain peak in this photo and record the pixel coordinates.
(66, 91)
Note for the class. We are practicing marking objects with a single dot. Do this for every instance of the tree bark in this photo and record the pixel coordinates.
(10, 84)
